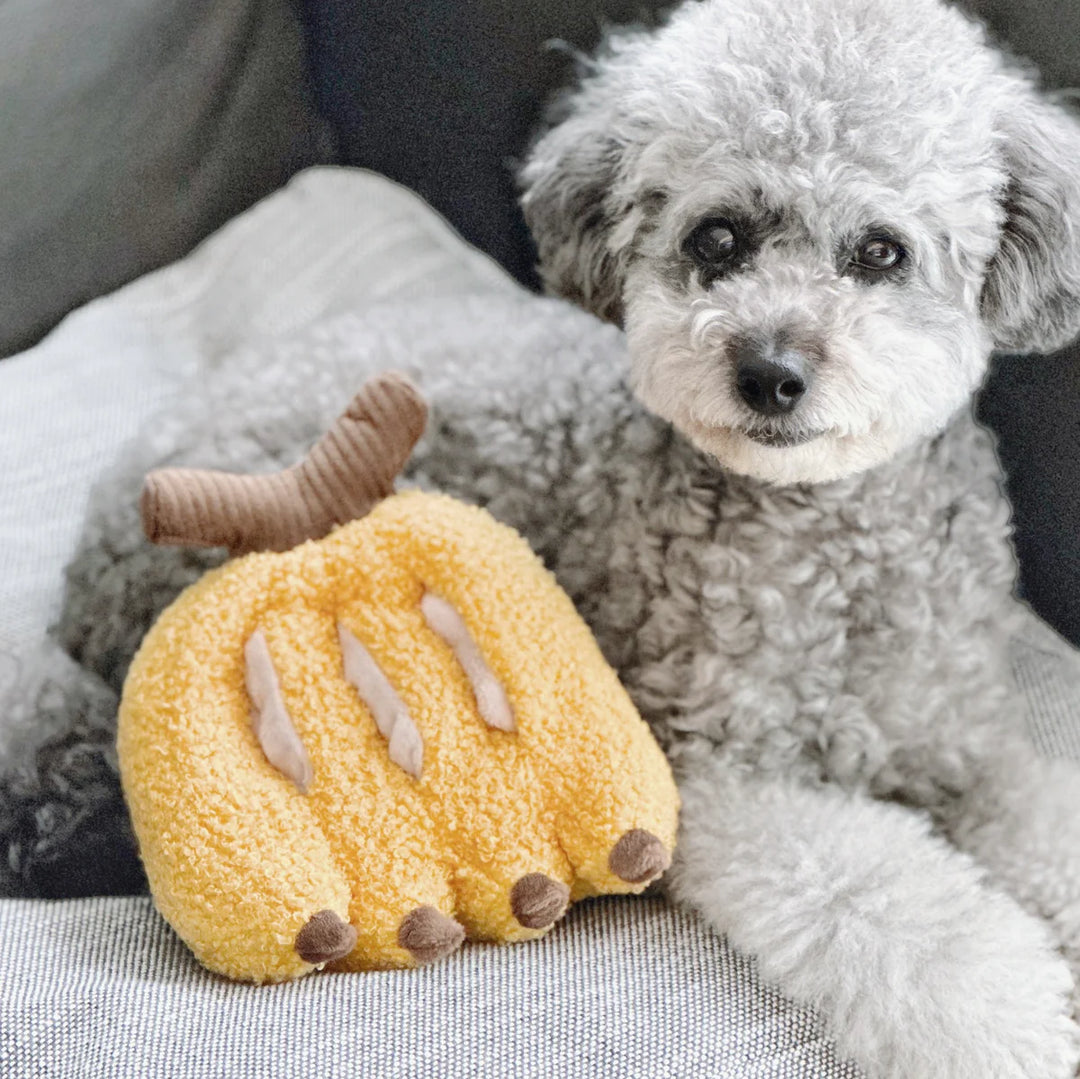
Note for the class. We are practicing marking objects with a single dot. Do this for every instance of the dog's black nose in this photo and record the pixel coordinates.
(771, 378)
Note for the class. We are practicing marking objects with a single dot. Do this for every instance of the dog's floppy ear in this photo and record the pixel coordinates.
(1031, 297)
(567, 196)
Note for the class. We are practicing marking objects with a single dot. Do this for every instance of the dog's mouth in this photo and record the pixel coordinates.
(780, 439)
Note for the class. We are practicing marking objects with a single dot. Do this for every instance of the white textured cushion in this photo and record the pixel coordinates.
(1047, 668)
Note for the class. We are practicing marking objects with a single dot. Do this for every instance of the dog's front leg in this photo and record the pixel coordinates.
(1021, 820)
(857, 909)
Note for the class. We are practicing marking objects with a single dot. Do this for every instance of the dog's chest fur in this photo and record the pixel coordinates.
(849, 633)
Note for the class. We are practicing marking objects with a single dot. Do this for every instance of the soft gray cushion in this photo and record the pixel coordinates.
(131, 129)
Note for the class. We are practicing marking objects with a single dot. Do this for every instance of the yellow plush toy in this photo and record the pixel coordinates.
(364, 749)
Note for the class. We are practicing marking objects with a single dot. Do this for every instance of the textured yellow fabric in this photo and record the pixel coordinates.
(239, 859)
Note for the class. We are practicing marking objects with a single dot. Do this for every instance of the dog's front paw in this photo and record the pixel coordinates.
(988, 1000)
(984, 995)
(920, 970)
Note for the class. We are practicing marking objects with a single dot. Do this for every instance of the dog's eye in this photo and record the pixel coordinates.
(712, 242)
(879, 254)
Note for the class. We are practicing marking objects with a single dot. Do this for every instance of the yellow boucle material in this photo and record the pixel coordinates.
(239, 859)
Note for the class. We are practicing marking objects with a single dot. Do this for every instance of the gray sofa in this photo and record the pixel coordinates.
(100, 986)
(628, 988)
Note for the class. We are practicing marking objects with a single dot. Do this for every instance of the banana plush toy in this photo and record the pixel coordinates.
(359, 750)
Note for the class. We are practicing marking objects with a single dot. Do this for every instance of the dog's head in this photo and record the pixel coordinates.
(815, 220)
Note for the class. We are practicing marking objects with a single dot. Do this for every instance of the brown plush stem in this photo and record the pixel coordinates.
(349, 470)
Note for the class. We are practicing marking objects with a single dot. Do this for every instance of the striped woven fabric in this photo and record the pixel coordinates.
(625, 988)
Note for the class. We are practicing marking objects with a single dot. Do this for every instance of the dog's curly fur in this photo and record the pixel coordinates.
(823, 660)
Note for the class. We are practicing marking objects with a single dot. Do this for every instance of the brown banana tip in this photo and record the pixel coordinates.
(427, 934)
(537, 901)
(639, 856)
(401, 388)
(324, 938)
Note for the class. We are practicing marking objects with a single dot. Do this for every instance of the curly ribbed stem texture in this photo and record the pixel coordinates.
(349, 470)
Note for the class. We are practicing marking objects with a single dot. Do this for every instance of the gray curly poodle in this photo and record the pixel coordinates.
(811, 222)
